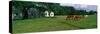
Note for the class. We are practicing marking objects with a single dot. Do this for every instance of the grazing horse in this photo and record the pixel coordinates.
(77, 17)
(73, 17)
(69, 17)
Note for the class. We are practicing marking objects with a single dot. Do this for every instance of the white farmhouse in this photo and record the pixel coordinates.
(51, 14)
(46, 14)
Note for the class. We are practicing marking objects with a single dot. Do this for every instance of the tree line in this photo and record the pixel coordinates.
(23, 6)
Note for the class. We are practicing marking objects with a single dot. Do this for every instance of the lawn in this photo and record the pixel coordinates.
(53, 24)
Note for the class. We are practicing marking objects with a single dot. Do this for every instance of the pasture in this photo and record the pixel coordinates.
(53, 24)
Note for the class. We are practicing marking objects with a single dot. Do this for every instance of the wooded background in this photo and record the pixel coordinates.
(24, 10)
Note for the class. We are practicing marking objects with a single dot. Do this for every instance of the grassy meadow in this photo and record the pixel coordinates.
(53, 24)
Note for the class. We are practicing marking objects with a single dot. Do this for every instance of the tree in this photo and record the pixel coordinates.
(92, 12)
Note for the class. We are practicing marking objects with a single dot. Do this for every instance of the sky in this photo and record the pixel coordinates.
(81, 6)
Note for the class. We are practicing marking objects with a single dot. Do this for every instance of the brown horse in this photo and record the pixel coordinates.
(69, 17)
(77, 17)
(73, 17)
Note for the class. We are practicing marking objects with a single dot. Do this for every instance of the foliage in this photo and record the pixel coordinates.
(23, 7)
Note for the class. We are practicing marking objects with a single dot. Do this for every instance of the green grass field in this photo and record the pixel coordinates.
(53, 24)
